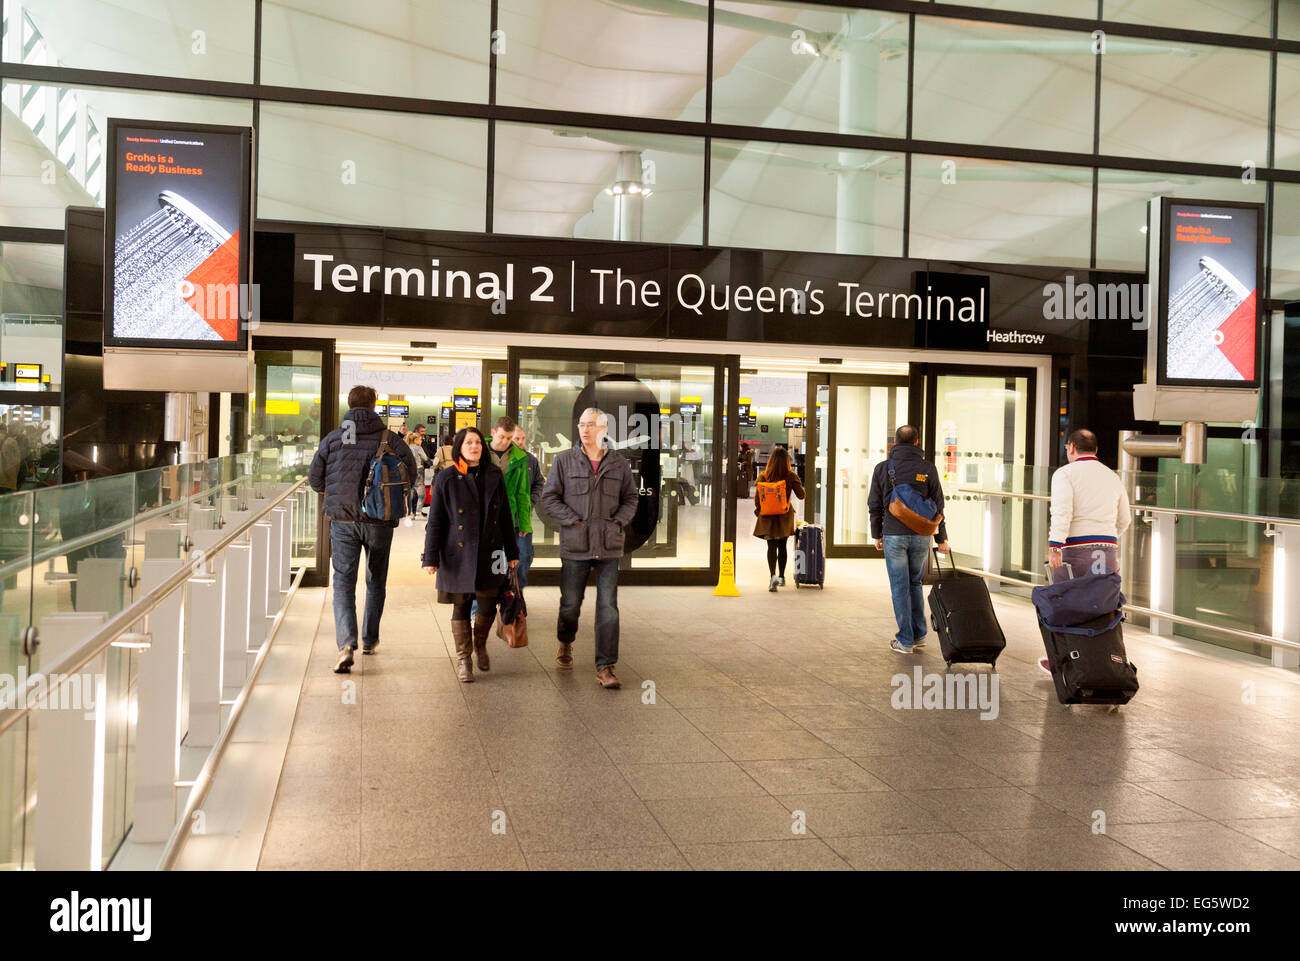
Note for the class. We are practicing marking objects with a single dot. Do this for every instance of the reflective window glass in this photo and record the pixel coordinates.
(1184, 101)
(640, 59)
(993, 83)
(54, 152)
(810, 67)
(1249, 17)
(335, 165)
(1286, 131)
(404, 48)
(995, 212)
(199, 39)
(794, 197)
(1286, 243)
(1122, 197)
(597, 184)
(31, 317)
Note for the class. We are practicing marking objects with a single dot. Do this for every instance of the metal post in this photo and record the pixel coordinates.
(205, 637)
(239, 591)
(70, 770)
(1286, 592)
(993, 541)
(260, 537)
(160, 725)
(1163, 568)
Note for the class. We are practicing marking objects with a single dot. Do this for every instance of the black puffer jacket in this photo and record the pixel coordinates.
(339, 468)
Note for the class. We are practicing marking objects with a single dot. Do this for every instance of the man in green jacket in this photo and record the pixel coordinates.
(513, 461)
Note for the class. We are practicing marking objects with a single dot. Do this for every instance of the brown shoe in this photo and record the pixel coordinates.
(460, 633)
(483, 624)
(607, 679)
(564, 657)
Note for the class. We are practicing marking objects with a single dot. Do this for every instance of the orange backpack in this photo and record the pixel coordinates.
(772, 497)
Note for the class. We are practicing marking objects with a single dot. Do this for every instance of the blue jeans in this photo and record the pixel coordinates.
(525, 542)
(347, 538)
(573, 586)
(905, 563)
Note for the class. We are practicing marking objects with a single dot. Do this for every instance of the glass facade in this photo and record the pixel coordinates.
(807, 126)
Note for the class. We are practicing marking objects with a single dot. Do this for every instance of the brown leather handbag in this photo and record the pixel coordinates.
(514, 612)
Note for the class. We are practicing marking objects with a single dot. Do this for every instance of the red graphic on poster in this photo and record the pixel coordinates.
(1238, 333)
(216, 289)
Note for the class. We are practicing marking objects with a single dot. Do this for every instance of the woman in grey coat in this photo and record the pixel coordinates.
(470, 544)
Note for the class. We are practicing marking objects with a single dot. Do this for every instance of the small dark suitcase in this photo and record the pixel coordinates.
(1088, 661)
(961, 613)
(809, 556)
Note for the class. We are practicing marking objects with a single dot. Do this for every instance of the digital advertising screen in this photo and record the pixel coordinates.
(177, 235)
(1208, 310)
(466, 402)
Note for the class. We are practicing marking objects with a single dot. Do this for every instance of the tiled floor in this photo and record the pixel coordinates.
(758, 732)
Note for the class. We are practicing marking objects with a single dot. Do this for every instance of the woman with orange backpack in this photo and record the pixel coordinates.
(775, 513)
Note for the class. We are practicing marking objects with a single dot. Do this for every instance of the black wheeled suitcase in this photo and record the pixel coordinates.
(1089, 663)
(809, 556)
(961, 613)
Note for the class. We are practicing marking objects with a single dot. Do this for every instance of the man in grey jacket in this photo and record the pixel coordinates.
(591, 494)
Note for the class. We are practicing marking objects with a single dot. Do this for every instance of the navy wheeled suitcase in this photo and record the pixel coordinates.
(1088, 661)
(809, 556)
(961, 613)
(1085, 654)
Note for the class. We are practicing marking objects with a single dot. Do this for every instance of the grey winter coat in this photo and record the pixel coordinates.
(593, 508)
(339, 468)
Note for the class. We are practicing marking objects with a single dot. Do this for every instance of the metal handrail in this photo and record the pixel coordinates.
(20, 564)
(1150, 508)
(52, 677)
(1148, 612)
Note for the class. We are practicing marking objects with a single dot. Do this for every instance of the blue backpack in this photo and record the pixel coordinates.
(384, 497)
(916, 511)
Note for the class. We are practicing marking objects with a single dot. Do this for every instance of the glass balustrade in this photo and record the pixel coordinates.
(79, 548)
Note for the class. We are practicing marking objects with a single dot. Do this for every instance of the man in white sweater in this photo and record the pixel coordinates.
(1090, 512)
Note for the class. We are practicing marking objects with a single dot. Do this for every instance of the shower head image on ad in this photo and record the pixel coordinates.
(178, 228)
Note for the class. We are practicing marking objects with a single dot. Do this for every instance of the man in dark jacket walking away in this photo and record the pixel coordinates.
(338, 471)
(905, 550)
(591, 494)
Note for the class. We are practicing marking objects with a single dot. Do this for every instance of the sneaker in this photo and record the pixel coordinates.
(1045, 666)
(344, 664)
(895, 646)
(780, 582)
(772, 584)
(369, 648)
(918, 644)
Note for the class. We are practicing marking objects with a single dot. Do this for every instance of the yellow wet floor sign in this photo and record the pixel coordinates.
(727, 573)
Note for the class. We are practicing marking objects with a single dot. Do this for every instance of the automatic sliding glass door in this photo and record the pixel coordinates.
(864, 413)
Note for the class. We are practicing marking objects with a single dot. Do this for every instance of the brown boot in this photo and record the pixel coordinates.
(564, 657)
(483, 624)
(460, 633)
(607, 679)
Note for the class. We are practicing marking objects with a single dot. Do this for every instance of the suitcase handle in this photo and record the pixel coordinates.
(938, 561)
(1069, 570)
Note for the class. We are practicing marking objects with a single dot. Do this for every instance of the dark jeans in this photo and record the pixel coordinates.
(1083, 561)
(347, 538)
(573, 586)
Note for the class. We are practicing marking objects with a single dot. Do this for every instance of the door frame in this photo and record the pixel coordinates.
(836, 381)
(721, 500)
(930, 439)
(317, 576)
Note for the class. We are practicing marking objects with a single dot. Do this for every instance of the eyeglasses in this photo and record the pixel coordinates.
(591, 426)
